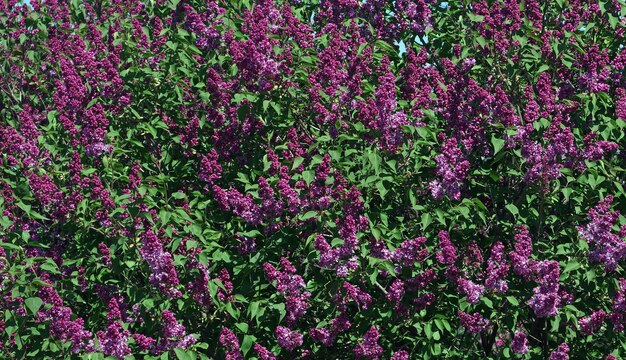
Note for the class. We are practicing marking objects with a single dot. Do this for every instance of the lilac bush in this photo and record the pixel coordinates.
(289, 179)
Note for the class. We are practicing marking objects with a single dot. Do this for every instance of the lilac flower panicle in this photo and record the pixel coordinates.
(523, 249)
(114, 342)
(231, 345)
(174, 333)
(474, 323)
(608, 247)
(163, 274)
(546, 299)
(395, 291)
(519, 344)
(472, 290)
(410, 252)
(369, 348)
(452, 168)
(263, 353)
(288, 339)
(590, 324)
(618, 313)
(497, 269)
(447, 254)
(400, 355)
(560, 353)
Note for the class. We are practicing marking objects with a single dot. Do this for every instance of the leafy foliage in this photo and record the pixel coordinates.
(312, 179)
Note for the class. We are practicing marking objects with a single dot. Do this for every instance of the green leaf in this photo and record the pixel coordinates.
(308, 176)
(475, 18)
(512, 300)
(297, 162)
(182, 354)
(427, 219)
(571, 266)
(308, 215)
(178, 195)
(375, 160)
(242, 326)
(9, 246)
(247, 343)
(543, 68)
(512, 208)
(498, 144)
(33, 304)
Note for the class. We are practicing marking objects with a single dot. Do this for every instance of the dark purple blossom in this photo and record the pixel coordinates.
(560, 353)
(519, 344)
(288, 339)
(369, 348)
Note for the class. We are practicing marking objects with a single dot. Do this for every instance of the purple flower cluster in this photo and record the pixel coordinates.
(62, 326)
(448, 254)
(519, 344)
(609, 247)
(231, 344)
(163, 273)
(241, 205)
(288, 339)
(410, 252)
(400, 355)
(618, 313)
(497, 269)
(114, 342)
(210, 168)
(174, 334)
(472, 290)
(560, 353)
(263, 353)
(290, 285)
(474, 323)
(590, 324)
(523, 249)
(369, 348)
(352, 293)
(452, 168)
(395, 292)
(327, 336)
(546, 299)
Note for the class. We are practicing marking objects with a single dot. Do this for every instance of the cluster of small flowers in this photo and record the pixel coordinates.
(452, 168)
(62, 326)
(369, 348)
(618, 313)
(327, 336)
(546, 299)
(231, 344)
(448, 254)
(210, 168)
(472, 290)
(114, 342)
(263, 353)
(288, 339)
(519, 344)
(290, 285)
(610, 247)
(591, 323)
(474, 323)
(522, 265)
(207, 35)
(560, 353)
(497, 269)
(163, 273)
(174, 334)
(352, 292)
